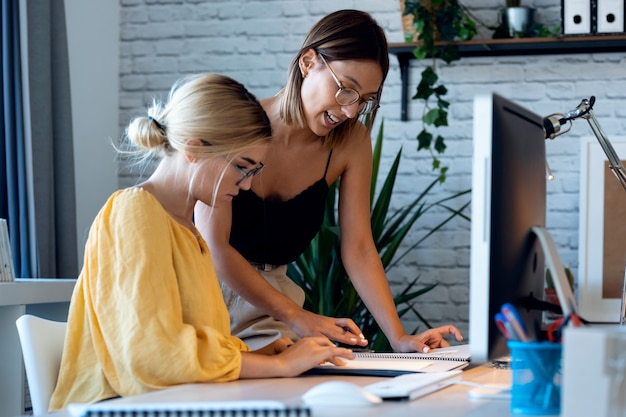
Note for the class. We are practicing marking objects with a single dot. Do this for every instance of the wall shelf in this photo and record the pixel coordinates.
(511, 47)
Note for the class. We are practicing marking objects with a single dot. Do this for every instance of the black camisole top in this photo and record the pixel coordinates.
(277, 232)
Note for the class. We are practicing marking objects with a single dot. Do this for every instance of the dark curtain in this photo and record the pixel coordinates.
(13, 185)
(41, 211)
(53, 148)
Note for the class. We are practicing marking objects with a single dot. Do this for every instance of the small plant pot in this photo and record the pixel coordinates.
(517, 20)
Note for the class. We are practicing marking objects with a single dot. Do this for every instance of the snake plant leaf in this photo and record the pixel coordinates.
(376, 154)
(381, 205)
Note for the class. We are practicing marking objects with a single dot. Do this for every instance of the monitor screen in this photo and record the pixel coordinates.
(508, 199)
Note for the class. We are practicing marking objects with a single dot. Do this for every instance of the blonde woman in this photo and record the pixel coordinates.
(147, 311)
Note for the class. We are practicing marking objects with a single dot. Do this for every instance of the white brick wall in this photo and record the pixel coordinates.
(254, 41)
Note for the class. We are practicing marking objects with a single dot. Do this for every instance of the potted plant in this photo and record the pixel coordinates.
(437, 24)
(319, 270)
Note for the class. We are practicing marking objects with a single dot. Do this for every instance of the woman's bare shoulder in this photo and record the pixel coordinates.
(359, 141)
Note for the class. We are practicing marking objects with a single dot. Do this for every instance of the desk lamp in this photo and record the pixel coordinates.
(552, 126)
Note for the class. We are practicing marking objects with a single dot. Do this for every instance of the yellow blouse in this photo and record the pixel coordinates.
(147, 311)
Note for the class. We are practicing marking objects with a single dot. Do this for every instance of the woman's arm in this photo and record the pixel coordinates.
(292, 361)
(147, 291)
(361, 258)
(233, 269)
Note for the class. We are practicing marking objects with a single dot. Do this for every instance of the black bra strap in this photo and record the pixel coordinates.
(328, 162)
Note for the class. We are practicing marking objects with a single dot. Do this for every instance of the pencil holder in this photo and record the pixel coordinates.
(536, 368)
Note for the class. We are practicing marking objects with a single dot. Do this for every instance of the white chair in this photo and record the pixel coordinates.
(42, 347)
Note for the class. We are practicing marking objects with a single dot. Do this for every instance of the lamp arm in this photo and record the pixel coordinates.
(552, 125)
(615, 163)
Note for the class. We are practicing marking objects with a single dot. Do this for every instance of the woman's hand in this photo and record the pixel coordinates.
(275, 347)
(427, 340)
(341, 330)
(293, 360)
(309, 352)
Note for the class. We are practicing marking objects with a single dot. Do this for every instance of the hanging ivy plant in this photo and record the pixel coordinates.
(438, 23)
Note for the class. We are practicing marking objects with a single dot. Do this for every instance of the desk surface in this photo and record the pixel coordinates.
(47, 298)
(451, 401)
(36, 291)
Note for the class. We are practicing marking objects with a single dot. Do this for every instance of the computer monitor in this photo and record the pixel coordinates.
(508, 200)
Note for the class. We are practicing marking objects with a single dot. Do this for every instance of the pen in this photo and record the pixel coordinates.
(504, 326)
(515, 321)
(361, 350)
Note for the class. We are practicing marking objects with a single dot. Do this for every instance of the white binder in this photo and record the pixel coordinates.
(576, 16)
(610, 16)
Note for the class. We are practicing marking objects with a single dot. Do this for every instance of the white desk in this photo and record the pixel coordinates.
(451, 401)
(48, 298)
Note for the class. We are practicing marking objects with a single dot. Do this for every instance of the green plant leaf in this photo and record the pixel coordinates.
(431, 116)
(376, 154)
(381, 205)
(440, 146)
(437, 118)
(420, 53)
(423, 91)
(441, 91)
(424, 139)
(429, 76)
(436, 164)
(449, 53)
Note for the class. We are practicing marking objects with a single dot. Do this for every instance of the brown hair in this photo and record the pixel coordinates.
(342, 35)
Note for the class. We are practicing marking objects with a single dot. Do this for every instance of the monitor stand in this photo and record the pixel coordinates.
(553, 262)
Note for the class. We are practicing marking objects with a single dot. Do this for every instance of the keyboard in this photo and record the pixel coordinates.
(412, 386)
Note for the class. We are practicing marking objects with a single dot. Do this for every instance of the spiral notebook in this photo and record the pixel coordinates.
(394, 364)
(252, 408)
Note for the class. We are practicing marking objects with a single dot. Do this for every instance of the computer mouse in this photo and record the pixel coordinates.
(339, 393)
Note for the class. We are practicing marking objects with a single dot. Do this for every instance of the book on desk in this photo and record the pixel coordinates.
(394, 364)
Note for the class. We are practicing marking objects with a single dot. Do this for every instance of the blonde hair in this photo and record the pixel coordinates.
(342, 35)
(214, 108)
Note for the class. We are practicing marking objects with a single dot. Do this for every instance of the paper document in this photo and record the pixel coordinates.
(393, 364)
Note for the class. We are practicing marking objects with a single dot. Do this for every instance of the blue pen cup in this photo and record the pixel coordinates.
(536, 371)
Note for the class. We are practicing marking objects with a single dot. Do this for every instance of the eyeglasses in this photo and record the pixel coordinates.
(347, 96)
(247, 174)
(244, 174)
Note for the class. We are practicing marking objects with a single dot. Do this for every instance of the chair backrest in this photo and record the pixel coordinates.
(42, 348)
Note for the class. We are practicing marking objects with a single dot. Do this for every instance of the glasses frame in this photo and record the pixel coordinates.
(247, 174)
(361, 111)
(244, 174)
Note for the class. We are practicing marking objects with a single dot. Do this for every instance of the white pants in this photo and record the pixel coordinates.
(252, 326)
